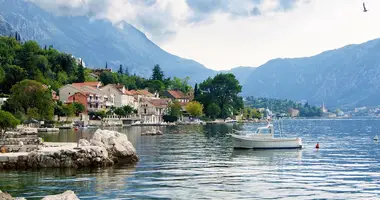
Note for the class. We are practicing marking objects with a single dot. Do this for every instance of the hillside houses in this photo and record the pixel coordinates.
(96, 97)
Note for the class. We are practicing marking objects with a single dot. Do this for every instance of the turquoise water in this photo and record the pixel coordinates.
(198, 162)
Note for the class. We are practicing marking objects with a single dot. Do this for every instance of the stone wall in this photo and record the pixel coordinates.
(20, 142)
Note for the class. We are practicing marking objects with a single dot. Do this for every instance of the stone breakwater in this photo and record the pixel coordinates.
(106, 148)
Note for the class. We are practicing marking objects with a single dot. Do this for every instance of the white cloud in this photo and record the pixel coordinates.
(308, 29)
(226, 33)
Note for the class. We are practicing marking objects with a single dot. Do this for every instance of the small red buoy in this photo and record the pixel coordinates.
(76, 128)
(317, 146)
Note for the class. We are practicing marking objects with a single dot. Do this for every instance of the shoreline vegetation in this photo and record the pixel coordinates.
(30, 75)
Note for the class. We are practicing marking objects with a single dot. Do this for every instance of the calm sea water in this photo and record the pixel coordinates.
(198, 162)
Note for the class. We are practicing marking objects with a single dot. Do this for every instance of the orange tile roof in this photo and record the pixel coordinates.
(159, 102)
(133, 92)
(144, 92)
(177, 94)
(128, 92)
(91, 84)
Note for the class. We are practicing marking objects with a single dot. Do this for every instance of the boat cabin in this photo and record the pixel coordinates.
(267, 130)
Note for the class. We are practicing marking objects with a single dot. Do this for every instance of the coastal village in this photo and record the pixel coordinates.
(149, 108)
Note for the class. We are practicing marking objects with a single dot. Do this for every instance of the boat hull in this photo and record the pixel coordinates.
(242, 142)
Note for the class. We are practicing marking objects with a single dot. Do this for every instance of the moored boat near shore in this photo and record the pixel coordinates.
(264, 138)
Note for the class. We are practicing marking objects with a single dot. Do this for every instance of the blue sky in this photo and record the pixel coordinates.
(222, 34)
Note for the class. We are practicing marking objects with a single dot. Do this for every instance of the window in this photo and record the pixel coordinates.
(144, 110)
(266, 131)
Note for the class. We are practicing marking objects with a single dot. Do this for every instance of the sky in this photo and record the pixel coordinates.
(222, 34)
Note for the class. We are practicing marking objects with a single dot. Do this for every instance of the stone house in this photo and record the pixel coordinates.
(70, 89)
(152, 110)
(177, 95)
(119, 95)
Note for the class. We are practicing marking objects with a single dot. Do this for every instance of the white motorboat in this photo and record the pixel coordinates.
(263, 138)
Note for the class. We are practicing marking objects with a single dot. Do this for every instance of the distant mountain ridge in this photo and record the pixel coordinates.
(344, 77)
(96, 41)
(348, 76)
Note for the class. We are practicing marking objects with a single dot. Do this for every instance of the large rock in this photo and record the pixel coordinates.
(68, 195)
(105, 149)
(120, 149)
(6, 196)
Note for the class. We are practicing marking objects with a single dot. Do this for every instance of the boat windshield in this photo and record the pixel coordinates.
(265, 131)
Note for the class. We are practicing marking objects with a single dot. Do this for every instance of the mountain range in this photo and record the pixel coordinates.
(96, 41)
(344, 77)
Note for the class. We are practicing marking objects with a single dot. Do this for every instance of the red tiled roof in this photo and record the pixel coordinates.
(133, 92)
(177, 94)
(144, 92)
(91, 84)
(128, 92)
(159, 102)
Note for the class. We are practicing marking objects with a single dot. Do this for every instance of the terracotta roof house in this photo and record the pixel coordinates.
(177, 95)
(70, 89)
(157, 107)
(91, 84)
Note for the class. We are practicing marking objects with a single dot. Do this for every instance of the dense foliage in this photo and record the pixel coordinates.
(283, 106)
(194, 108)
(28, 60)
(251, 113)
(156, 83)
(175, 109)
(7, 120)
(222, 90)
(30, 99)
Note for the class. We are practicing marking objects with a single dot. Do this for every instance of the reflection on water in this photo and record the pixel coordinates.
(199, 162)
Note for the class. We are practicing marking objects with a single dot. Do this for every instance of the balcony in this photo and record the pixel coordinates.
(94, 100)
(109, 103)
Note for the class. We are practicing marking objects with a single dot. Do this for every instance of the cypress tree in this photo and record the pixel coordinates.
(106, 65)
(81, 77)
(196, 90)
(121, 71)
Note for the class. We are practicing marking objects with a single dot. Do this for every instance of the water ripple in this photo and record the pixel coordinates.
(200, 163)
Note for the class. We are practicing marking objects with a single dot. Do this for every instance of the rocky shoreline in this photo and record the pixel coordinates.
(68, 195)
(105, 149)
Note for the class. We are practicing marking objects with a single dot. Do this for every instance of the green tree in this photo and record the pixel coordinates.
(128, 109)
(32, 113)
(180, 84)
(120, 71)
(196, 91)
(175, 109)
(120, 111)
(106, 65)
(31, 94)
(7, 120)
(256, 114)
(108, 78)
(247, 113)
(223, 90)
(13, 74)
(68, 110)
(2, 75)
(81, 75)
(194, 108)
(213, 110)
(158, 74)
(156, 86)
(78, 108)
